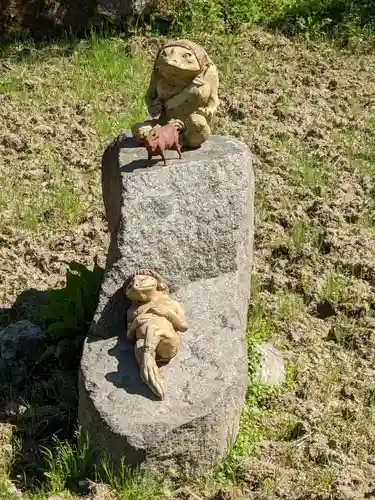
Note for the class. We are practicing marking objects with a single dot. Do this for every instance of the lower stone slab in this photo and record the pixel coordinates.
(206, 382)
(206, 385)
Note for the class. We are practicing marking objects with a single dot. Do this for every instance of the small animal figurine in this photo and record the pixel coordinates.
(159, 139)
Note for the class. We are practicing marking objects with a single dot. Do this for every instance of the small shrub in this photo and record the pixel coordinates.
(341, 18)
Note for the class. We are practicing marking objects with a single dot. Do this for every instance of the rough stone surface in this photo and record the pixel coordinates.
(21, 340)
(193, 222)
(271, 368)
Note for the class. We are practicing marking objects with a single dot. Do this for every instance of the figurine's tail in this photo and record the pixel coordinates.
(149, 370)
(151, 376)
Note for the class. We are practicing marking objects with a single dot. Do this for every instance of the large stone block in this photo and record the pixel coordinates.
(192, 221)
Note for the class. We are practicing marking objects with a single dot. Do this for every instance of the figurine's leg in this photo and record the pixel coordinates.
(163, 156)
(149, 156)
(197, 130)
(178, 149)
(141, 129)
(167, 347)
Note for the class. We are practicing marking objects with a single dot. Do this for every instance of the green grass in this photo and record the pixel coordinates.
(99, 76)
(98, 72)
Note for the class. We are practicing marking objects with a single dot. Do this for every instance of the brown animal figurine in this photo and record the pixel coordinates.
(159, 139)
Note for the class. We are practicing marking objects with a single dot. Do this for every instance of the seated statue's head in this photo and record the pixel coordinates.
(181, 59)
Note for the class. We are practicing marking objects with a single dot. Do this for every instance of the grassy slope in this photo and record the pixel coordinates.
(306, 111)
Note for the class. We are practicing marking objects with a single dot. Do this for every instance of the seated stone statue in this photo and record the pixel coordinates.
(153, 320)
(183, 90)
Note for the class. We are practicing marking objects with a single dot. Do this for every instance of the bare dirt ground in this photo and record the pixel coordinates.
(307, 113)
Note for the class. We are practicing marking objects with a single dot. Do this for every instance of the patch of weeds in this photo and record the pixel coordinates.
(33, 208)
(304, 234)
(350, 334)
(5, 491)
(291, 373)
(70, 463)
(319, 480)
(69, 311)
(299, 234)
(69, 466)
(105, 72)
(197, 16)
(339, 19)
(371, 398)
(6, 460)
(132, 485)
(367, 221)
(255, 70)
(268, 485)
(289, 306)
(59, 208)
(252, 430)
(334, 287)
(100, 72)
(260, 323)
(262, 212)
(282, 108)
(343, 329)
(329, 379)
(309, 173)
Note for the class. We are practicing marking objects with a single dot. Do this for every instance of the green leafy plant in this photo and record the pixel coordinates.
(69, 311)
(70, 463)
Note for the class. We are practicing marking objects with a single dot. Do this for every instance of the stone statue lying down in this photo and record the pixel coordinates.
(154, 320)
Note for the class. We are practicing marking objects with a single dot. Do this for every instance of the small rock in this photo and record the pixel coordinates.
(43, 130)
(15, 409)
(19, 340)
(100, 491)
(271, 368)
(12, 489)
(371, 459)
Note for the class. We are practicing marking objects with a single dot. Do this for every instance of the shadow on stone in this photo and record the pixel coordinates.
(139, 164)
(127, 376)
(111, 320)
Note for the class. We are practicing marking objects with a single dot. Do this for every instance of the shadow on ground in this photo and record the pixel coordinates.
(39, 398)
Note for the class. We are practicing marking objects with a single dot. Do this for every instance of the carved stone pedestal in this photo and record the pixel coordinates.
(192, 221)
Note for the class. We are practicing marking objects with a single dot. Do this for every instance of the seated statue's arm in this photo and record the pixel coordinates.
(212, 81)
(189, 94)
